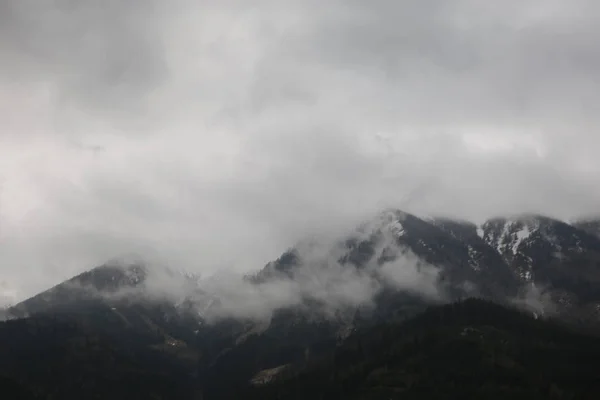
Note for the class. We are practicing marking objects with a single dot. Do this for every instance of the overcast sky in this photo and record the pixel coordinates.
(214, 134)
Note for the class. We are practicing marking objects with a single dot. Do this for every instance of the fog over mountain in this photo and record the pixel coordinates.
(387, 264)
(211, 136)
(319, 274)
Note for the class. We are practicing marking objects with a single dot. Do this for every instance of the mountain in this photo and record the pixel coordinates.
(116, 298)
(502, 258)
(590, 225)
(531, 243)
(470, 349)
(100, 335)
(85, 287)
(562, 259)
(133, 323)
(454, 247)
(487, 261)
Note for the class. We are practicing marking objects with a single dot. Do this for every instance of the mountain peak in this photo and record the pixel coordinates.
(389, 220)
(106, 279)
(112, 277)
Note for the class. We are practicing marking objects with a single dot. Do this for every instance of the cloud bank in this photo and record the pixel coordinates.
(320, 279)
(212, 135)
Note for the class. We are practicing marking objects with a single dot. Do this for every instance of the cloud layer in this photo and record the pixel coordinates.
(212, 135)
(319, 278)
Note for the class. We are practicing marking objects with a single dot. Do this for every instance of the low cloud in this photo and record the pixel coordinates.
(319, 277)
(536, 299)
(334, 287)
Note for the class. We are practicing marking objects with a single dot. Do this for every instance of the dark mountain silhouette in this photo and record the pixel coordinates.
(109, 333)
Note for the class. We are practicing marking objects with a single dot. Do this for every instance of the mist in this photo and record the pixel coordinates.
(319, 277)
(212, 136)
(334, 287)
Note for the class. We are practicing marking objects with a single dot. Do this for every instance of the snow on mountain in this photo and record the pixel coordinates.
(391, 251)
(388, 221)
(480, 257)
(473, 255)
(548, 252)
(508, 235)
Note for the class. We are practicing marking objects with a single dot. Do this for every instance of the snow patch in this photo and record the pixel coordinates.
(526, 276)
(508, 237)
(473, 258)
(480, 232)
(503, 236)
(520, 236)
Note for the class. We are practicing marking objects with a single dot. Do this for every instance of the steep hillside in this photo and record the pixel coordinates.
(471, 349)
(484, 261)
(559, 259)
(56, 358)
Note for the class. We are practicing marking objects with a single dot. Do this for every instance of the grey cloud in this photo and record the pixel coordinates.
(320, 277)
(434, 63)
(230, 132)
(103, 54)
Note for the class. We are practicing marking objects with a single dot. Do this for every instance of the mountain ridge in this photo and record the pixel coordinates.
(316, 296)
(496, 257)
